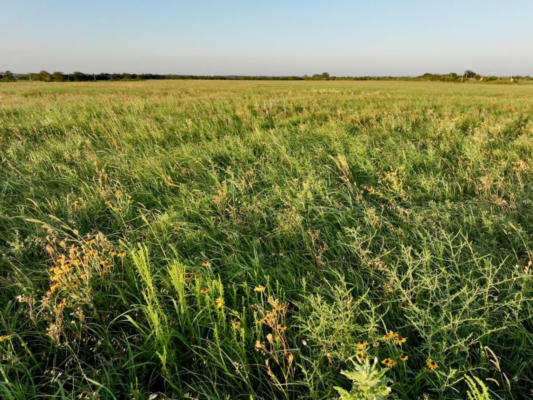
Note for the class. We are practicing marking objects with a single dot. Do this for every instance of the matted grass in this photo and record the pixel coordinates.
(267, 228)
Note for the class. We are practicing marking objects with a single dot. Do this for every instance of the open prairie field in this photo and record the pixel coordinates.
(252, 240)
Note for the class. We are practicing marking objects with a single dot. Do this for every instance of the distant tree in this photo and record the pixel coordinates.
(322, 76)
(58, 76)
(7, 76)
(80, 76)
(470, 74)
(45, 76)
(103, 77)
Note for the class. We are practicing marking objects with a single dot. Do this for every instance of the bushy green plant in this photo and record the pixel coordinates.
(335, 320)
(369, 382)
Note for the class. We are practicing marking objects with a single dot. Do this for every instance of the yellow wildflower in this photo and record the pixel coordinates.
(390, 335)
(389, 362)
(432, 365)
(400, 340)
(259, 289)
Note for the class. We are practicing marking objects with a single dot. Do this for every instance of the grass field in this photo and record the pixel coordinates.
(251, 240)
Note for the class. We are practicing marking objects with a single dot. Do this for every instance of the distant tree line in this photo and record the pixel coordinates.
(77, 76)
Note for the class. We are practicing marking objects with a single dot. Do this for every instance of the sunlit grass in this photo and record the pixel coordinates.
(254, 239)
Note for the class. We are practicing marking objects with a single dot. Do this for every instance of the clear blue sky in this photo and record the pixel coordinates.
(374, 37)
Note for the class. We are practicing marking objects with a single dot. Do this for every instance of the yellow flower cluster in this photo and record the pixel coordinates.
(390, 337)
(116, 200)
(276, 347)
(81, 261)
(75, 265)
(362, 348)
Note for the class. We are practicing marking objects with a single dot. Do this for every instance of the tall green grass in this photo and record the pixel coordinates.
(361, 208)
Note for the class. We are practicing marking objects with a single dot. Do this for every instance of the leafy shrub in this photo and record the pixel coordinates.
(369, 382)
